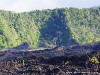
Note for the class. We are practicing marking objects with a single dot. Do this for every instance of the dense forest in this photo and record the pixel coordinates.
(63, 26)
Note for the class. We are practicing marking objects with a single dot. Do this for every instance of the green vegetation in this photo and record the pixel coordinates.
(94, 60)
(58, 26)
(17, 28)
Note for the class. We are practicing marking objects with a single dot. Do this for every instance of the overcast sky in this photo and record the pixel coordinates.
(29, 5)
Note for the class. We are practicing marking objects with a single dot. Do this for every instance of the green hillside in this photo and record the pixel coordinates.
(58, 26)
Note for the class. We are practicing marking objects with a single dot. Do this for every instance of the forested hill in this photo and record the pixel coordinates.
(58, 26)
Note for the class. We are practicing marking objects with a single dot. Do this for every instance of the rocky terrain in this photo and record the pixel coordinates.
(72, 60)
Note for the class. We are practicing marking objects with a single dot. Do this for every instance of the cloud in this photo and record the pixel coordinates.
(28, 5)
(6, 3)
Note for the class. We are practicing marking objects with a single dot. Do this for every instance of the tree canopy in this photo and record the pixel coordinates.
(58, 26)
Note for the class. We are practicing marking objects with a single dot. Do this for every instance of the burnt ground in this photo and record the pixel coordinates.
(73, 60)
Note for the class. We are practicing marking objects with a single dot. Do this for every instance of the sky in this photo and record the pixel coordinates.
(30, 5)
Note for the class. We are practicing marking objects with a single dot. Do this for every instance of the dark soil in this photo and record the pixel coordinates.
(60, 63)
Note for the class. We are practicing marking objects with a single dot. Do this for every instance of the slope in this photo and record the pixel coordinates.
(55, 27)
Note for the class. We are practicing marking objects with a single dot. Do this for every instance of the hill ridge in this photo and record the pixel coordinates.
(64, 26)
